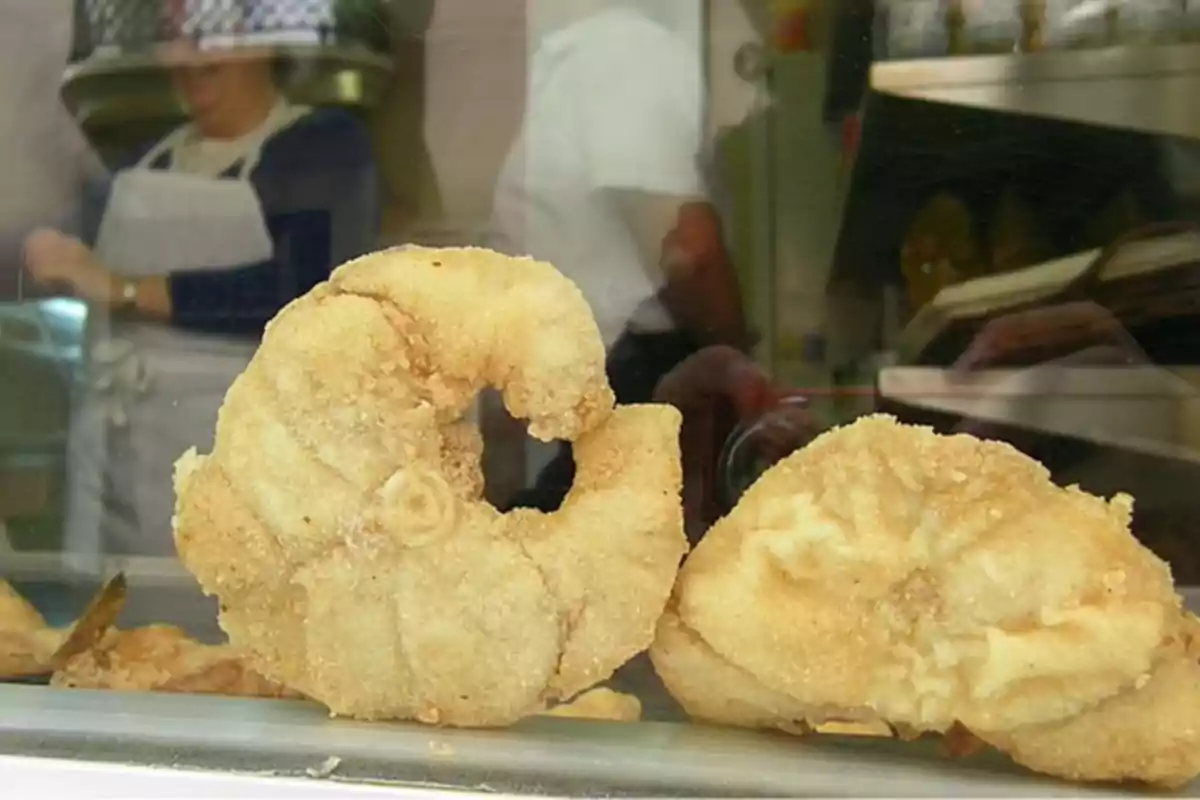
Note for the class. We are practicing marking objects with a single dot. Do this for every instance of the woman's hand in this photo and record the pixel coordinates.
(715, 389)
(55, 259)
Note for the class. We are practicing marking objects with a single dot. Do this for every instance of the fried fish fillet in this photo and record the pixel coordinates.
(340, 517)
(886, 573)
(162, 658)
(27, 643)
(17, 613)
(1150, 732)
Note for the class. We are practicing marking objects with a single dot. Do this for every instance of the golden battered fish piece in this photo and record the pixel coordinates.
(611, 551)
(712, 689)
(340, 518)
(926, 580)
(27, 643)
(162, 658)
(17, 613)
(1148, 733)
(462, 454)
(600, 704)
(155, 658)
(25, 654)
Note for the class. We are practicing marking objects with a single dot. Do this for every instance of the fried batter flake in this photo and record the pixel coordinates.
(162, 658)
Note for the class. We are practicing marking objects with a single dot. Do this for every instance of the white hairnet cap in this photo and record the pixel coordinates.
(250, 23)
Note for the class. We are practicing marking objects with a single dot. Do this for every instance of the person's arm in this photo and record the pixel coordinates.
(642, 126)
(151, 299)
(701, 288)
(318, 187)
(242, 300)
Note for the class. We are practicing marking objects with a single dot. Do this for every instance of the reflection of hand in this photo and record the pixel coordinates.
(713, 374)
(1035, 344)
(715, 390)
(1061, 330)
(55, 259)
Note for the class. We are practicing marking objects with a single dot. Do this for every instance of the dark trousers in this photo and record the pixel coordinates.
(636, 363)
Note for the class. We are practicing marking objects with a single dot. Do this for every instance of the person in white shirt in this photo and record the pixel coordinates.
(605, 182)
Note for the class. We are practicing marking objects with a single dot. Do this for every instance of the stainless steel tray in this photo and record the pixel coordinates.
(539, 757)
(544, 756)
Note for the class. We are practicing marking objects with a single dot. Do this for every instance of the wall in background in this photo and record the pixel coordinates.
(457, 101)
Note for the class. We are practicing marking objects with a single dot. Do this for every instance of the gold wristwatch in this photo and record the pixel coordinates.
(128, 297)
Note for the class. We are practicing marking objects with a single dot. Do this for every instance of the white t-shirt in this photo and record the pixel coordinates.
(615, 102)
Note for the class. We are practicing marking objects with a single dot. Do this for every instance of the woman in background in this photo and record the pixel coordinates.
(193, 248)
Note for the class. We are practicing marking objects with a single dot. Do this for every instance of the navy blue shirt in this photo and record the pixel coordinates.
(318, 187)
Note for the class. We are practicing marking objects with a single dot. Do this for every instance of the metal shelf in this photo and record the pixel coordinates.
(538, 758)
(1148, 88)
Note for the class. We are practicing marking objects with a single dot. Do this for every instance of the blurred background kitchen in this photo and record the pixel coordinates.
(896, 186)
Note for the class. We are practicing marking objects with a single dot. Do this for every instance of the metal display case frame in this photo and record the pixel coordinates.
(142, 744)
(128, 744)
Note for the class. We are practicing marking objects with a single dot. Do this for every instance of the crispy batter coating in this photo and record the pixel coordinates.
(601, 704)
(161, 658)
(712, 688)
(17, 613)
(886, 572)
(154, 658)
(609, 554)
(27, 644)
(340, 517)
(1150, 732)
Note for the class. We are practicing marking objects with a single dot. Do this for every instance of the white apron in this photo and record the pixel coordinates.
(153, 390)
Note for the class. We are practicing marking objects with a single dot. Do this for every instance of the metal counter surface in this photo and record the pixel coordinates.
(61, 777)
(539, 757)
(542, 756)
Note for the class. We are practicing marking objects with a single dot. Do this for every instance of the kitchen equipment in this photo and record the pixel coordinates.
(1086, 363)
(1147, 281)
(1107, 428)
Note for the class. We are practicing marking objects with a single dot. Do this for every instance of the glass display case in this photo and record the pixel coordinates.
(839, 439)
